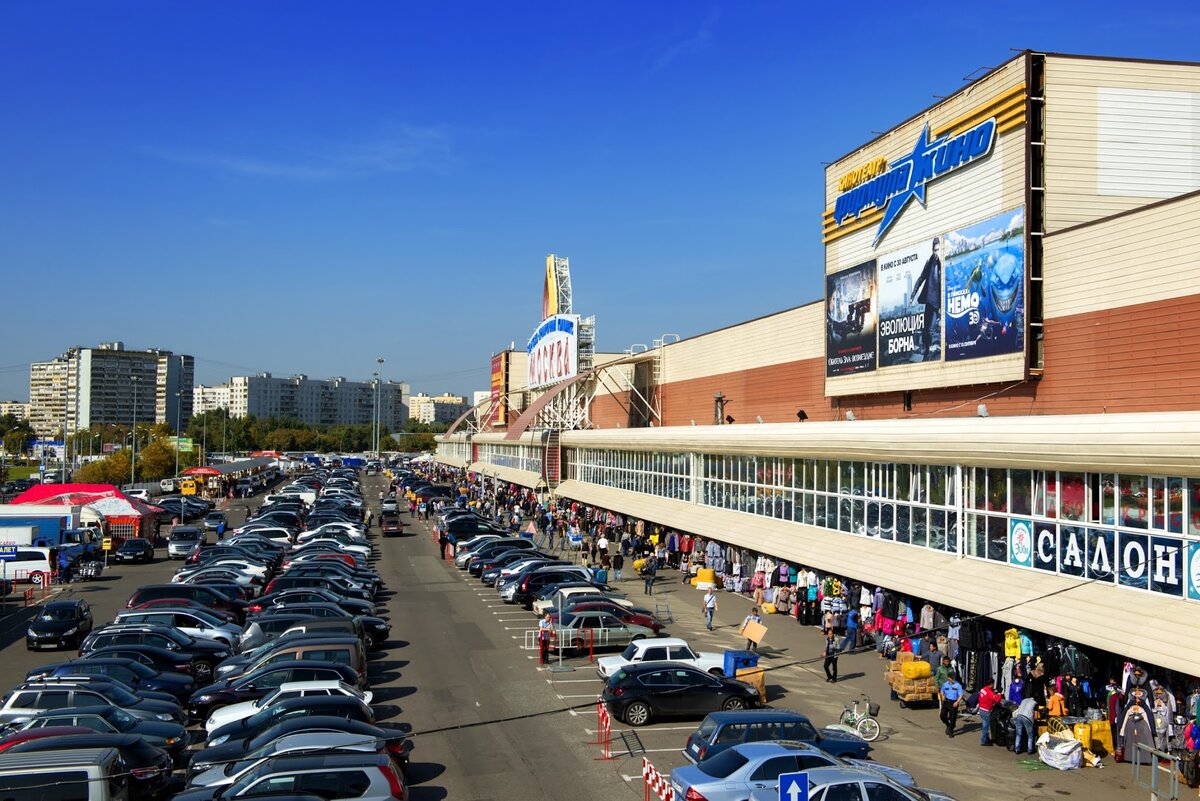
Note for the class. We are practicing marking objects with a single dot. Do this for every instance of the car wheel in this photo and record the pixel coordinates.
(733, 704)
(37, 578)
(637, 637)
(637, 714)
(203, 671)
(720, 674)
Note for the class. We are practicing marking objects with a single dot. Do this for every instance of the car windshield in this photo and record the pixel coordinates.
(121, 695)
(185, 536)
(121, 719)
(630, 651)
(723, 764)
(707, 729)
(58, 613)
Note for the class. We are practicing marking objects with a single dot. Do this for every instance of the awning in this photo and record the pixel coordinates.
(526, 478)
(201, 471)
(449, 461)
(1098, 615)
(229, 468)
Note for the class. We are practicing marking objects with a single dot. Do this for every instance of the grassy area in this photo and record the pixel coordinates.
(18, 471)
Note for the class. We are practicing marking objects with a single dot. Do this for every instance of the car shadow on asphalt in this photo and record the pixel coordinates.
(418, 774)
(14, 624)
(392, 693)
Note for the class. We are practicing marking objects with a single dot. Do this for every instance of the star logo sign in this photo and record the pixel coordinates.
(920, 166)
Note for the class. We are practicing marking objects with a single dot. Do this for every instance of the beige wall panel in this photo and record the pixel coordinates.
(991, 370)
(1097, 615)
(789, 336)
(1145, 256)
(1161, 443)
(1091, 111)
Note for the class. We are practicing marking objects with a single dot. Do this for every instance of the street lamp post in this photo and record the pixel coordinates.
(375, 415)
(133, 431)
(66, 403)
(178, 428)
(378, 418)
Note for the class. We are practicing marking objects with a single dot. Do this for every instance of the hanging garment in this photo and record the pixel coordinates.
(926, 620)
(1137, 726)
(1163, 726)
(1006, 675)
(1012, 643)
(1016, 691)
(1026, 643)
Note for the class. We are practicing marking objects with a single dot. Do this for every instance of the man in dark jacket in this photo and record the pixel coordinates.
(928, 289)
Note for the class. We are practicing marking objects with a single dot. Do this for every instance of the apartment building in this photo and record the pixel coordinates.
(444, 408)
(335, 401)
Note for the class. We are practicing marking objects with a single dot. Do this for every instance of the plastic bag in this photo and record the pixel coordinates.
(1061, 753)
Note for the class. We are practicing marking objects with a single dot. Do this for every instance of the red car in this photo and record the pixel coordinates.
(16, 738)
(633, 617)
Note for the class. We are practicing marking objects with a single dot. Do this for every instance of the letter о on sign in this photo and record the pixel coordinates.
(793, 787)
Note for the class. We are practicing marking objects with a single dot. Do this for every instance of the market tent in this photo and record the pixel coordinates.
(124, 516)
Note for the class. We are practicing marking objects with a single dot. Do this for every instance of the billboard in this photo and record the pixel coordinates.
(498, 410)
(850, 320)
(553, 351)
(910, 305)
(985, 287)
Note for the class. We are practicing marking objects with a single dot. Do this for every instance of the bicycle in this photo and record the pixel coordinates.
(863, 723)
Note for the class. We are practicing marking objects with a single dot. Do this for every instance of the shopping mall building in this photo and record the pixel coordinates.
(996, 406)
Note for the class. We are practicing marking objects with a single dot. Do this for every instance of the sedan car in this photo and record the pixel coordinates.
(639, 616)
(641, 693)
(157, 659)
(131, 673)
(330, 742)
(202, 655)
(853, 784)
(735, 773)
(333, 705)
(171, 737)
(134, 550)
(257, 684)
(149, 766)
(292, 689)
(59, 624)
(591, 630)
(338, 776)
(722, 730)
(300, 596)
(194, 623)
(664, 649)
(237, 747)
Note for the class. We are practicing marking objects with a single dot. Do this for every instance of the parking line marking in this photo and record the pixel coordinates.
(588, 695)
(569, 681)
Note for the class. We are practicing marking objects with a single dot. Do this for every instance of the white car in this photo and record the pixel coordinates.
(140, 494)
(289, 689)
(348, 547)
(190, 623)
(230, 562)
(661, 649)
(229, 772)
(326, 531)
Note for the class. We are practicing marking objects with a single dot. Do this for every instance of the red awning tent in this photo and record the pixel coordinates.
(202, 471)
(103, 501)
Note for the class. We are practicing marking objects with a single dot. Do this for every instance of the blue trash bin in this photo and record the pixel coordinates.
(736, 660)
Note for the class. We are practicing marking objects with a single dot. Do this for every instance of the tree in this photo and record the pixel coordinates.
(96, 472)
(156, 460)
(161, 431)
(14, 442)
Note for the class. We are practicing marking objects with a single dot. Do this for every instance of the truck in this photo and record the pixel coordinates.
(79, 542)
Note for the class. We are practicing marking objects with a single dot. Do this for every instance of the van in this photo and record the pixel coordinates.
(32, 565)
(168, 485)
(83, 774)
(340, 649)
(189, 486)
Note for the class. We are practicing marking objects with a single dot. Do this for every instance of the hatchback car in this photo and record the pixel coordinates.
(171, 737)
(738, 771)
(59, 624)
(149, 766)
(640, 693)
(722, 730)
(853, 784)
(365, 777)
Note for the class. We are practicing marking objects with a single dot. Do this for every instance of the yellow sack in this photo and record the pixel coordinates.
(768, 608)
(918, 669)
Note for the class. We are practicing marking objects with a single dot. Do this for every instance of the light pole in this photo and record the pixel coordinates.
(378, 418)
(66, 402)
(375, 414)
(133, 431)
(178, 428)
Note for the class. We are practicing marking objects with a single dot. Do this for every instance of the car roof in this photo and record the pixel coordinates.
(765, 748)
(661, 641)
(828, 775)
(71, 602)
(286, 762)
(647, 667)
(769, 715)
(315, 684)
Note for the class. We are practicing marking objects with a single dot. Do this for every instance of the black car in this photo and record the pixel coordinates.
(341, 706)
(237, 747)
(135, 550)
(130, 672)
(255, 685)
(640, 693)
(332, 583)
(149, 766)
(207, 596)
(302, 596)
(202, 655)
(88, 691)
(59, 624)
(155, 658)
(170, 736)
(375, 630)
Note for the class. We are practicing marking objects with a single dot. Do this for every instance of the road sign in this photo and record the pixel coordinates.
(181, 444)
(106, 544)
(793, 787)
(8, 553)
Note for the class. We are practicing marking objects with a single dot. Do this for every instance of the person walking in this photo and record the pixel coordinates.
(649, 570)
(831, 656)
(1023, 720)
(443, 541)
(710, 607)
(850, 641)
(545, 635)
(951, 693)
(618, 562)
(988, 698)
(753, 617)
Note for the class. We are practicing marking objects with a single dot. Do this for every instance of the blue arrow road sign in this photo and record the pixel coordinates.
(793, 787)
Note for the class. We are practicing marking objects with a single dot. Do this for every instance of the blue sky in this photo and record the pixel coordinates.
(303, 187)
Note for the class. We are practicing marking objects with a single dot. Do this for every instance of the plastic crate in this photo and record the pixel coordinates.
(737, 660)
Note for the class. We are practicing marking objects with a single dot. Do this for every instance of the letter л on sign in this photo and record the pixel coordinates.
(793, 786)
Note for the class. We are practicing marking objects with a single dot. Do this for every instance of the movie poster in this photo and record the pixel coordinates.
(910, 305)
(850, 320)
(985, 288)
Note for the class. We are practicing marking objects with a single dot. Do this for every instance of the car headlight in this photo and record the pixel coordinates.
(199, 767)
(163, 716)
(218, 740)
(70, 631)
(204, 699)
(171, 740)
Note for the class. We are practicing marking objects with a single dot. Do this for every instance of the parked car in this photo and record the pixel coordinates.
(135, 550)
(722, 730)
(338, 706)
(640, 693)
(583, 631)
(324, 742)
(831, 784)
(131, 673)
(202, 655)
(194, 623)
(148, 766)
(735, 773)
(214, 521)
(258, 683)
(183, 540)
(35, 697)
(107, 719)
(639, 616)
(291, 689)
(333, 777)
(206, 596)
(59, 624)
(662, 649)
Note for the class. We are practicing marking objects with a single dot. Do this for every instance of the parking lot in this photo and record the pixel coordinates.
(489, 723)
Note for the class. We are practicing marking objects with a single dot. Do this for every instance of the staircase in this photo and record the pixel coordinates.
(552, 461)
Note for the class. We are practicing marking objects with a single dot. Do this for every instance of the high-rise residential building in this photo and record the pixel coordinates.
(335, 401)
(444, 408)
(17, 409)
(108, 384)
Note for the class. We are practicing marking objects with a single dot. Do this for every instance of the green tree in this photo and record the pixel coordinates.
(156, 460)
(93, 473)
(14, 442)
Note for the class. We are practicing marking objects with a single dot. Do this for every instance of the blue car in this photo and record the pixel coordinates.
(722, 730)
(737, 772)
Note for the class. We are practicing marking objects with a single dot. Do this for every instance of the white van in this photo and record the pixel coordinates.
(83, 774)
(32, 565)
(167, 485)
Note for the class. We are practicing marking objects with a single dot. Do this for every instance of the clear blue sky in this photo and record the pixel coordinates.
(303, 186)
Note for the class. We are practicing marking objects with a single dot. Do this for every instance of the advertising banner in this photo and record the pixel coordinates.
(910, 305)
(985, 287)
(498, 409)
(554, 351)
(850, 318)
(1020, 543)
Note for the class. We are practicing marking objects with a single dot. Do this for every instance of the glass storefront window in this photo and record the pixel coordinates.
(997, 539)
(904, 514)
(858, 478)
(1045, 493)
(997, 490)
(977, 481)
(1134, 497)
(1072, 497)
(937, 486)
(1021, 492)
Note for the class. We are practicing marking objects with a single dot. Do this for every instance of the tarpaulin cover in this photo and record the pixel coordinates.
(104, 499)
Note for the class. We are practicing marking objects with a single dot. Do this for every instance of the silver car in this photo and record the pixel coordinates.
(183, 540)
(335, 776)
(300, 742)
(825, 784)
